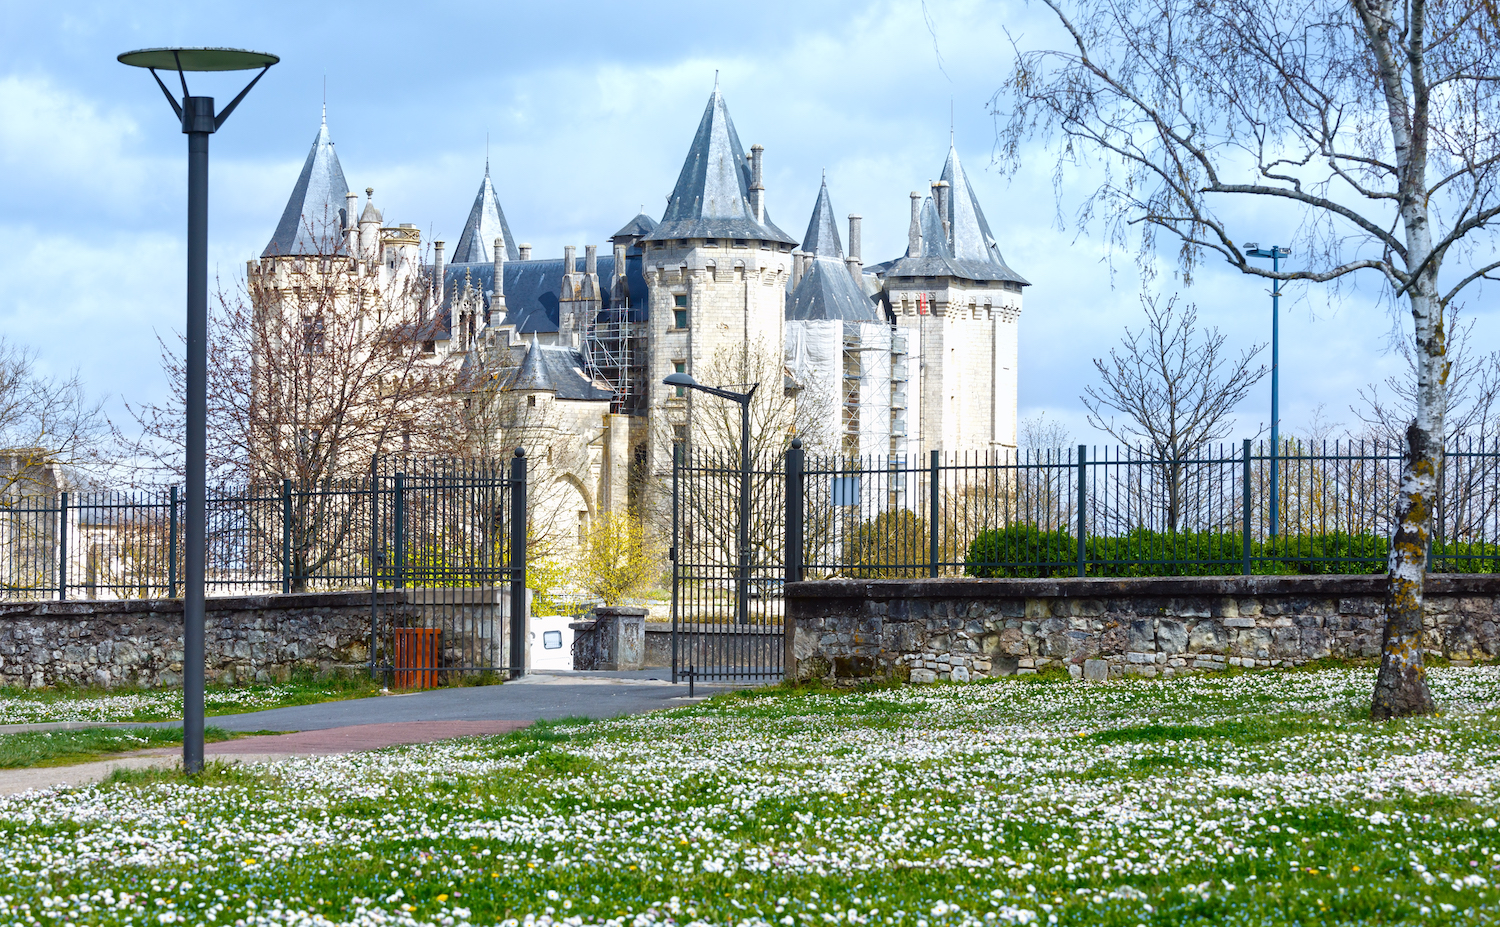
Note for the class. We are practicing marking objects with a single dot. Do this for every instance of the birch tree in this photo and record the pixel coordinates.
(1373, 123)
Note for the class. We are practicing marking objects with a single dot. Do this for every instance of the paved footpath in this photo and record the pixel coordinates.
(388, 720)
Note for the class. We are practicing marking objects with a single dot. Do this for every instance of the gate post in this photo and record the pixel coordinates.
(172, 544)
(376, 559)
(518, 564)
(794, 470)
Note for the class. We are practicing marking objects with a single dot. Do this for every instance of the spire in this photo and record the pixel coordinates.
(971, 236)
(314, 216)
(822, 238)
(486, 223)
(712, 196)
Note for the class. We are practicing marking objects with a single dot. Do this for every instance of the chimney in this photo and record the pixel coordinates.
(796, 267)
(914, 232)
(351, 224)
(437, 269)
(591, 260)
(940, 197)
(525, 250)
(757, 185)
(499, 268)
(619, 259)
(856, 265)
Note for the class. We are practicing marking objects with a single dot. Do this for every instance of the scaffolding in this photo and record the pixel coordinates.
(616, 352)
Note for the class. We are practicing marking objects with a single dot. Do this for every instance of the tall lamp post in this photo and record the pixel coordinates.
(742, 595)
(199, 121)
(1275, 253)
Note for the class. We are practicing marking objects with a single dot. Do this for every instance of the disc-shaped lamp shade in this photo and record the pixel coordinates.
(198, 59)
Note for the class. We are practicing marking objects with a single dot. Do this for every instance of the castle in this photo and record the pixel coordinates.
(893, 359)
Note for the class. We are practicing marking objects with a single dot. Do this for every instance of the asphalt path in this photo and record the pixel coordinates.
(541, 696)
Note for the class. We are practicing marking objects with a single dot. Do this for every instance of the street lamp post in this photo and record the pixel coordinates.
(742, 595)
(1275, 253)
(199, 121)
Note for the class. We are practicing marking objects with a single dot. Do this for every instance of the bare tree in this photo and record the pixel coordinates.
(47, 425)
(1174, 389)
(316, 364)
(1376, 121)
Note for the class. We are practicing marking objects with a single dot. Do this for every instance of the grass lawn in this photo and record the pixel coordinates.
(30, 706)
(60, 748)
(1256, 798)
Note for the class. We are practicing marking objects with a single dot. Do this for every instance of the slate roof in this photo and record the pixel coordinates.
(556, 369)
(639, 227)
(822, 236)
(485, 224)
(314, 215)
(531, 288)
(712, 196)
(967, 250)
(828, 291)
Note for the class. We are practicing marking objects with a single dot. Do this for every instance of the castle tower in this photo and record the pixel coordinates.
(315, 217)
(959, 303)
(715, 267)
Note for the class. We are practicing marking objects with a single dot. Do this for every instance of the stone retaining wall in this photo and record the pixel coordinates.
(930, 629)
(139, 641)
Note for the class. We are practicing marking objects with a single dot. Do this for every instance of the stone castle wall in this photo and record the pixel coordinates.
(959, 629)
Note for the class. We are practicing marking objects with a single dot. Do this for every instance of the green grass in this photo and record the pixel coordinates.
(67, 747)
(1243, 799)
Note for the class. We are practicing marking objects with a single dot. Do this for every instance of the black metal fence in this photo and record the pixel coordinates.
(448, 535)
(1124, 512)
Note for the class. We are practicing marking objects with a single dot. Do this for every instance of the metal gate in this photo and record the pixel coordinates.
(727, 616)
(448, 547)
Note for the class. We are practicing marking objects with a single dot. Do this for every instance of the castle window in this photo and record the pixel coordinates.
(679, 440)
(312, 336)
(710, 243)
(765, 246)
(680, 367)
(680, 311)
(429, 347)
(741, 243)
(531, 402)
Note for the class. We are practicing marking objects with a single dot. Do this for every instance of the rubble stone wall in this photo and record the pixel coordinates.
(138, 642)
(925, 630)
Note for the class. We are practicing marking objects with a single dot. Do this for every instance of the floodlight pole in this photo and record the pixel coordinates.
(1275, 253)
(199, 121)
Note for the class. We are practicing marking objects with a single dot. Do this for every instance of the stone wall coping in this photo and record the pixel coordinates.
(1459, 584)
(86, 608)
(624, 611)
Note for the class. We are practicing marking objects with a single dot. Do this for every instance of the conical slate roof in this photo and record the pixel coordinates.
(828, 291)
(966, 249)
(970, 233)
(640, 226)
(712, 196)
(556, 369)
(314, 216)
(822, 236)
(486, 223)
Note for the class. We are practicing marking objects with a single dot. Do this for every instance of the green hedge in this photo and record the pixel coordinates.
(1025, 551)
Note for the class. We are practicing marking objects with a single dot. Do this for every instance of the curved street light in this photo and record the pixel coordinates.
(199, 121)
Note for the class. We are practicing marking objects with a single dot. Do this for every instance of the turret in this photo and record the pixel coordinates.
(369, 228)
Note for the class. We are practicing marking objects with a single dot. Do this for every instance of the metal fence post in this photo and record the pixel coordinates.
(794, 477)
(172, 544)
(62, 547)
(399, 554)
(518, 564)
(1246, 506)
(286, 536)
(672, 552)
(1083, 502)
(932, 512)
(376, 558)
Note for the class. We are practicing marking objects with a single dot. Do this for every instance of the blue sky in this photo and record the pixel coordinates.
(588, 109)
